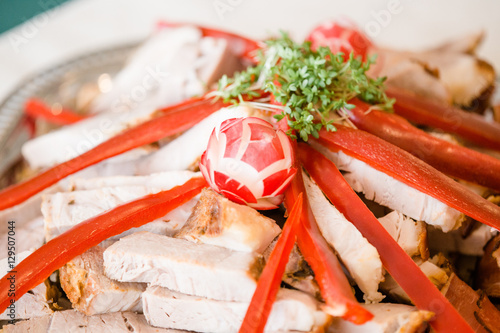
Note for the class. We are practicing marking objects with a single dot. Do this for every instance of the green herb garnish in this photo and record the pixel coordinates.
(310, 84)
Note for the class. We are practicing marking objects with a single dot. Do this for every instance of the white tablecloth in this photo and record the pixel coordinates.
(81, 26)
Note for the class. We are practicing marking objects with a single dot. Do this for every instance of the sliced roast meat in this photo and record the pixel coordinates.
(411, 235)
(91, 292)
(388, 318)
(27, 237)
(34, 303)
(196, 269)
(358, 255)
(292, 310)
(218, 221)
(63, 210)
(71, 321)
(437, 269)
(389, 192)
(297, 274)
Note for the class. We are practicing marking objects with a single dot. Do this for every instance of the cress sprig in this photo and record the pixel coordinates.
(309, 84)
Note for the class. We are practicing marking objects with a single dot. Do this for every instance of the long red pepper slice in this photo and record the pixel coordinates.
(176, 119)
(242, 45)
(270, 279)
(40, 264)
(335, 288)
(401, 267)
(36, 108)
(452, 159)
(470, 126)
(410, 170)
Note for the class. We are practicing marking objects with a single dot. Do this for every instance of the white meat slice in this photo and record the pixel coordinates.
(27, 237)
(454, 241)
(25, 211)
(195, 269)
(121, 165)
(389, 192)
(218, 221)
(183, 151)
(358, 255)
(388, 318)
(70, 141)
(297, 274)
(63, 210)
(171, 66)
(162, 180)
(71, 321)
(91, 292)
(432, 268)
(292, 310)
(411, 235)
(30, 305)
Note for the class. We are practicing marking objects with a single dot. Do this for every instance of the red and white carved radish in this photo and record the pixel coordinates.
(249, 162)
(342, 36)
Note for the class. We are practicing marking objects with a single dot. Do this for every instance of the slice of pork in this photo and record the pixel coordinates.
(27, 210)
(71, 321)
(358, 255)
(387, 191)
(471, 244)
(91, 292)
(185, 150)
(63, 210)
(70, 141)
(297, 274)
(175, 65)
(196, 269)
(436, 269)
(388, 318)
(27, 237)
(32, 304)
(292, 310)
(411, 235)
(171, 66)
(218, 221)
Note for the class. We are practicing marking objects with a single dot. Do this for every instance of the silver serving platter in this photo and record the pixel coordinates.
(55, 84)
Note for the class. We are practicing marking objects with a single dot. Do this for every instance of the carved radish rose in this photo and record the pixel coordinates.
(249, 162)
(340, 37)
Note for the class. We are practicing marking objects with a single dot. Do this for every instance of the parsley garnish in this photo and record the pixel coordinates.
(310, 84)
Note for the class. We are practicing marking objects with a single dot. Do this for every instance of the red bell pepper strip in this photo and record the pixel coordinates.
(452, 159)
(335, 288)
(175, 119)
(242, 46)
(36, 108)
(470, 126)
(401, 267)
(40, 264)
(270, 279)
(410, 170)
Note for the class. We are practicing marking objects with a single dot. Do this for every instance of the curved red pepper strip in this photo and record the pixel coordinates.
(176, 119)
(335, 288)
(452, 159)
(470, 126)
(36, 108)
(401, 267)
(270, 279)
(242, 46)
(57, 252)
(410, 170)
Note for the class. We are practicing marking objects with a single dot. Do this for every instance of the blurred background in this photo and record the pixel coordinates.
(36, 34)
